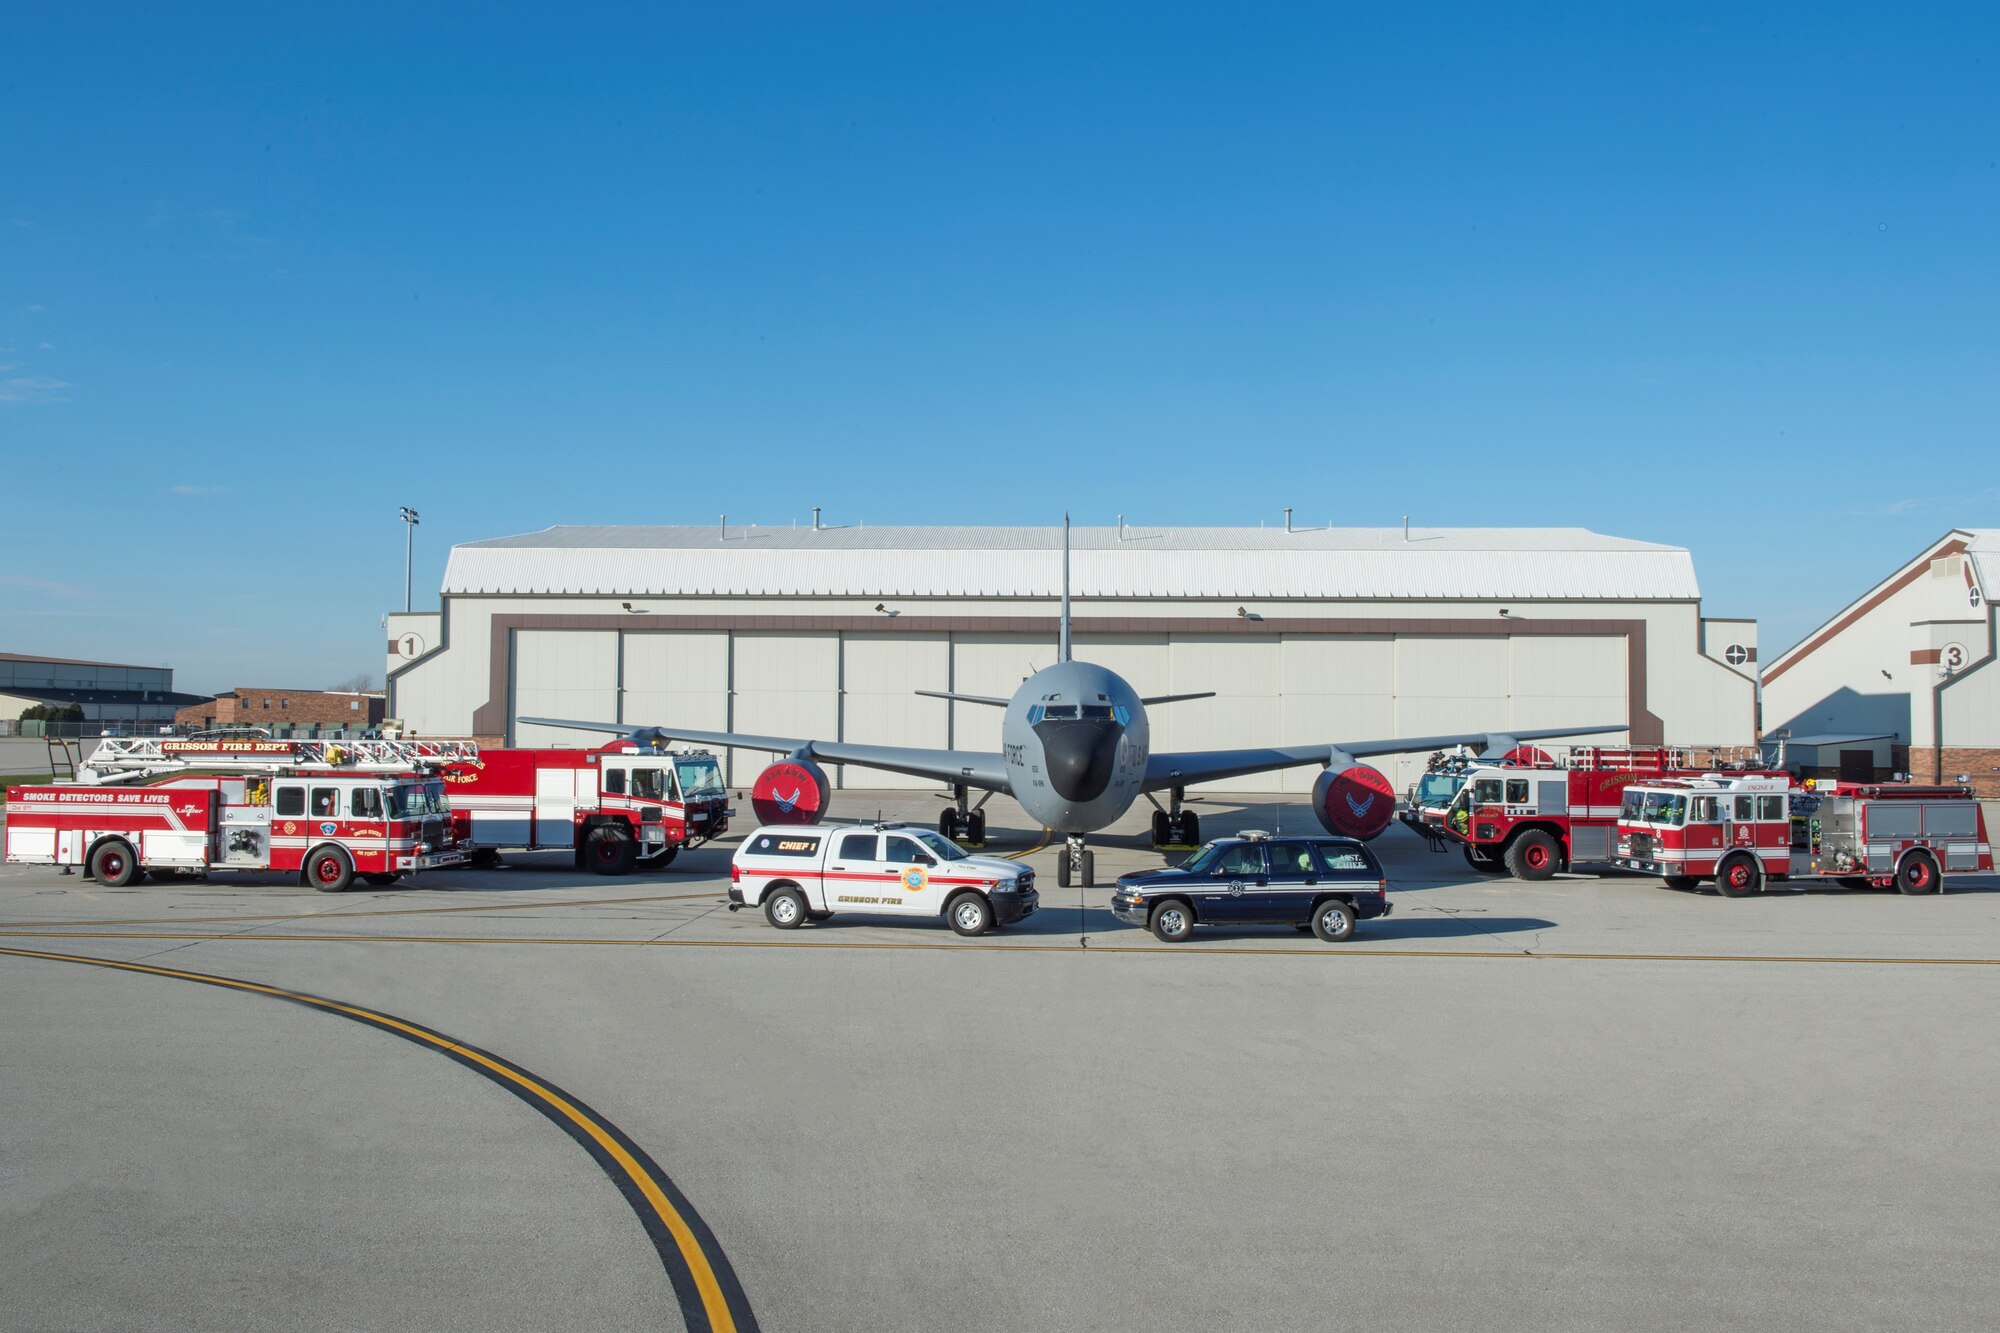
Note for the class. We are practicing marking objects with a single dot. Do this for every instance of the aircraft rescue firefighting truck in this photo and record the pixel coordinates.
(1535, 812)
(618, 806)
(324, 810)
(1741, 831)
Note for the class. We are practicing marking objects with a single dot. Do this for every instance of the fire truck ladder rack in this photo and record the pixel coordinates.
(127, 759)
(63, 754)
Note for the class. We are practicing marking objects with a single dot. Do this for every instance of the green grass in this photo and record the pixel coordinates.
(22, 780)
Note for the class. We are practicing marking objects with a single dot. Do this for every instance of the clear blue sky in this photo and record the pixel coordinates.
(1723, 276)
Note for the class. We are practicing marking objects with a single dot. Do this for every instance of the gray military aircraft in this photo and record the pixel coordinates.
(1075, 754)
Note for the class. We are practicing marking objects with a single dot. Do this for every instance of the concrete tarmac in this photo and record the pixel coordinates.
(1591, 1103)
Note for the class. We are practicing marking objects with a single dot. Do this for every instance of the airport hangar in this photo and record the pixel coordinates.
(1909, 664)
(1305, 635)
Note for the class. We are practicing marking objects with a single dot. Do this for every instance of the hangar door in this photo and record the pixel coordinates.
(562, 673)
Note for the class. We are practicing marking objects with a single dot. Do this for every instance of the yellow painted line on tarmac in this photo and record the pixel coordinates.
(995, 947)
(687, 1261)
(717, 894)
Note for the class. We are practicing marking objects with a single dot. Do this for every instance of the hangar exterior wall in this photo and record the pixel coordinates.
(1276, 679)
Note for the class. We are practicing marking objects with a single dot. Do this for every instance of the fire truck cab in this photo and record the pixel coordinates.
(326, 811)
(1743, 832)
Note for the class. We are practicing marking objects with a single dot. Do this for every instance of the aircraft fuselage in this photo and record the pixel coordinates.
(1075, 740)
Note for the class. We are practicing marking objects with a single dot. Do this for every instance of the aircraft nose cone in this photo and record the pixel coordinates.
(1080, 756)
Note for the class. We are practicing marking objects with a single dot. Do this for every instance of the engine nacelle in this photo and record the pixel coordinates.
(1354, 802)
(791, 791)
(1528, 756)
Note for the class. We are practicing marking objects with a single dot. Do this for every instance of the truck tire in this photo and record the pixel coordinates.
(1534, 855)
(112, 864)
(1917, 874)
(1484, 862)
(659, 860)
(1738, 876)
(1173, 921)
(610, 850)
(1333, 921)
(329, 870)
(785, 908)
(969, 914)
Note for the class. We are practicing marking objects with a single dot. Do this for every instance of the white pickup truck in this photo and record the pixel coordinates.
(800, 873)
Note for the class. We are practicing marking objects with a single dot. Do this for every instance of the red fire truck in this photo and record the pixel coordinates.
(1536, 812)
(324, 810)
(618, 806)
(1741, 832)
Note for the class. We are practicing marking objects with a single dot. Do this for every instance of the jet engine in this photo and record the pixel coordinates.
(1354, 802)
(790, 791)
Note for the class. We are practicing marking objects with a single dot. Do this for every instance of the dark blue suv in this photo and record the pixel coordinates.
(1319, 884)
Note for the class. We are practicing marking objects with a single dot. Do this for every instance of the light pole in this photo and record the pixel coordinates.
(409, 517)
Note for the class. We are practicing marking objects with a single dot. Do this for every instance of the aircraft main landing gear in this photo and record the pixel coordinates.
(962, 822)
(1077, 864)
(1172, 825)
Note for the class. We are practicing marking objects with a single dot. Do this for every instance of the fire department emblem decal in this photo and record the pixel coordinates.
(290, 827)
(1236, 888)
(190, 810)
(914, 879)
(329, 828)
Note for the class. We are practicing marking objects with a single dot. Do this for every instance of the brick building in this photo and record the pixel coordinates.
(244, 707)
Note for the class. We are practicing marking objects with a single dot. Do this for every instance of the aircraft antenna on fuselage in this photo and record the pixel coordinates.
(1062, 634)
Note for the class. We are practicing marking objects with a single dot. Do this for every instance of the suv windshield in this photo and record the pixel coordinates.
(700, 776)
(1204, 858)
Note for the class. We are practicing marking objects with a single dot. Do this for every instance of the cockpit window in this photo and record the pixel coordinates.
(1097, 710)
(1059, 712)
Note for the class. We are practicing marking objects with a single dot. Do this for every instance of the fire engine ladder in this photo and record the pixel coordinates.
(63, 754)
(126, 759)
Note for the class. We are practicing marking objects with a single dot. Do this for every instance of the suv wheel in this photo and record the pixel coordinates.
(1333, 921)
(1173, 921)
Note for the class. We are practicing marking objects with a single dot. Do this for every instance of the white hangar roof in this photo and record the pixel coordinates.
(1568, 564)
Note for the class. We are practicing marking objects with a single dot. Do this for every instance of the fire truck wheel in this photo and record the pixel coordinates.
(660, 860)
(1482, 861)
(969, 914)
(609, 850)
(113, 864)
(1917, 874)
(382, 881)
(786, 908)
(1738, 876)
(329, 870)
(1533, 855)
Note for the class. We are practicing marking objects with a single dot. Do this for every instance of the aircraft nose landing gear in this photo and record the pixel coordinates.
(1077, 864)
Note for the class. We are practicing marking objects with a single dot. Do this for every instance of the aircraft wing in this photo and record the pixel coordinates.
(1192, 766)
(975, 768)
